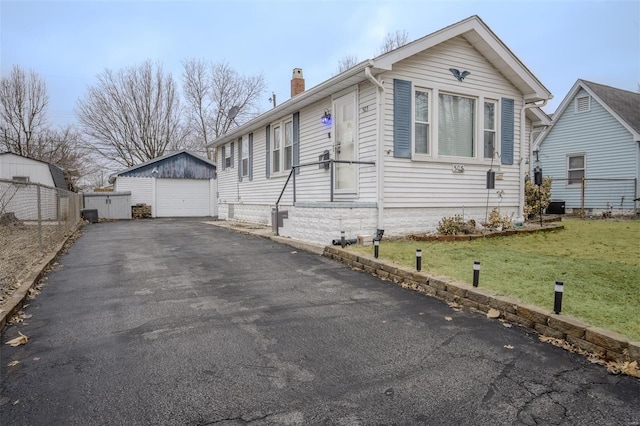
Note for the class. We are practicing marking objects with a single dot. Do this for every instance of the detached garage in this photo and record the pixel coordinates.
(181, 184)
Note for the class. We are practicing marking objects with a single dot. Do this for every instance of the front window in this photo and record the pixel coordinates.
(245, 157)
(228, 163)
(288, 145)
(575, 169)
(489, 129)
(456, 124)
(421, 122)
(276, 149)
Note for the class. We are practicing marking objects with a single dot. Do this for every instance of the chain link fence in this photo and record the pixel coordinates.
(34, 220)
(606, 196)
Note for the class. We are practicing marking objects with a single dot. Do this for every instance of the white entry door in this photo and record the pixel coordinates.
(345, 142)
(182, 198)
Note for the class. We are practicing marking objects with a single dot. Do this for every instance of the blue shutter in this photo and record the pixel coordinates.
(223, 158)
(296, 140)
(401, 118)
(250, 156)
(231, 153)
(506, 131)
(239, 159)
(268, 163)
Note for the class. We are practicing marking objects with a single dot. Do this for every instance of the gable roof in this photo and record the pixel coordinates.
(473, 29)
(160, 159)
(624, 103)
(58, 177)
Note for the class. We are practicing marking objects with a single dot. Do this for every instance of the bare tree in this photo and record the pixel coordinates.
(23, 104)
(132, 115)
(393, 41)
(218, 97)
(66, 148)
(347, 62)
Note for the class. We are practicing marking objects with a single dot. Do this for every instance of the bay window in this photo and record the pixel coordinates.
(456, 125)
(421, 122)
(489, 129)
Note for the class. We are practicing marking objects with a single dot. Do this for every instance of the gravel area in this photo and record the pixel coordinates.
(20, 252)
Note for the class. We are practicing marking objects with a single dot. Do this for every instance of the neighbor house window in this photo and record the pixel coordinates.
(456, 125)
(288, 145)
(421, 122)
(277, 140)
(575, 169)
(489, 129)
(245, 157)
(583, 103)
(21, 179)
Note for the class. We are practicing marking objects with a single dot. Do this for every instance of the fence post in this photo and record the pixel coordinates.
(39, 218)
(582, 199)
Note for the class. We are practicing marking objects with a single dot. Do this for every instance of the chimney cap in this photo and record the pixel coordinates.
(297, 73)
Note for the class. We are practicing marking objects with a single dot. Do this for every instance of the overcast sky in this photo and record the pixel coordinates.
(69, 42)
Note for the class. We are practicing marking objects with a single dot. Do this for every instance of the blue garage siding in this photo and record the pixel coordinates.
(181, 166)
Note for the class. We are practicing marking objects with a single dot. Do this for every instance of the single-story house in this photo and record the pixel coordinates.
(180, 184)
(394, 143)
(592, 149)
(28, 170)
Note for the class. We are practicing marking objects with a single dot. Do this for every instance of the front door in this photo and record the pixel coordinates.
(345, 142)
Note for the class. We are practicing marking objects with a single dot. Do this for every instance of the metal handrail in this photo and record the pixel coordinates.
(331, 162)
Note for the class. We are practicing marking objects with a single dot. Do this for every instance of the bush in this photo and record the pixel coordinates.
(536, 200)
(455, 226)
(497, 221)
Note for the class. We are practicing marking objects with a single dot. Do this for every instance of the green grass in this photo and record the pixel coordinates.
(598, 261)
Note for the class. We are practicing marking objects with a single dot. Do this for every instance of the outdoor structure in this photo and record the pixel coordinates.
(27, 170)
(180, 184)
(108, 204)
(394, 143)
(592, 150)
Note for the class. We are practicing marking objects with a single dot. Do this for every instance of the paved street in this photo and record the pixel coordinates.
(176, 322)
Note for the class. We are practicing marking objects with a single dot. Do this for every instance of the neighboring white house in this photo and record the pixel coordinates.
(408, 137)
(592, 149)
(20, 193)
(181, 184)
(27, 170)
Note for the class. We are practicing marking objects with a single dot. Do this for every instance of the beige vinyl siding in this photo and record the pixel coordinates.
(312, 183)
(431, 183)
(367, 140)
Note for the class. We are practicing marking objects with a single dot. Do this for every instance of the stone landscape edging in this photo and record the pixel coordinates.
(603, 343)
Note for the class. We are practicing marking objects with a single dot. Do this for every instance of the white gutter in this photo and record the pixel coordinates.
(379, 145)
(523, 166)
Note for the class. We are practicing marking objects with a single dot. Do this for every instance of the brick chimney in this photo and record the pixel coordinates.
(297, 82)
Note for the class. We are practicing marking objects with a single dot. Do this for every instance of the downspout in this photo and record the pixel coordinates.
(379, 146)
(523, 165)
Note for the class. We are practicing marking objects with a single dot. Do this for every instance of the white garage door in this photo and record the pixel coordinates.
(182, 197)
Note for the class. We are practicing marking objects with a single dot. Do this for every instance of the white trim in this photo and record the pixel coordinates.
(584, 168)
(580, 84)
(578, 104)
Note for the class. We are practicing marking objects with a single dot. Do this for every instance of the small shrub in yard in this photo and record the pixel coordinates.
(455, 225)
(497, 221)
(536, 200)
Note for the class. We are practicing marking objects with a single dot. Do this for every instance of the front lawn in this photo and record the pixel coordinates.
(598, 261)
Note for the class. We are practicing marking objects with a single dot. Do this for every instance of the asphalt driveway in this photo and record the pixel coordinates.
(176, 322)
